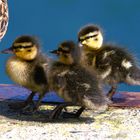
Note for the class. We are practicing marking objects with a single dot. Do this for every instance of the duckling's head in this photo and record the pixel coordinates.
(24, 47)
(90, 36)
(65, 52)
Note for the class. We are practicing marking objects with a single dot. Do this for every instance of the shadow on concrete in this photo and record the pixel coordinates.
(39, 116)
(13, 93)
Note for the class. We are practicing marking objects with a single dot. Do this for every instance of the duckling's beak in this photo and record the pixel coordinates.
(55, 52)
(7, 51)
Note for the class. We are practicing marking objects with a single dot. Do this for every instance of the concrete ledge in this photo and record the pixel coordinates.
(15, 92)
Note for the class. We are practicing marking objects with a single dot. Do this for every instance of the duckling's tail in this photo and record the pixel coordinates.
(99, 103)
(133, 77)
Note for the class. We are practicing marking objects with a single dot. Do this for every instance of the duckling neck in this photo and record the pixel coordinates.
(88, 56)
(29, 60)
(89, 49)
(66, 60)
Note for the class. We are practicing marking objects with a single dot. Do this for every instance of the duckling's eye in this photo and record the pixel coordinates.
(88, 37)
(96, 39)
(16, 50)
(65, 55)
(28, 50)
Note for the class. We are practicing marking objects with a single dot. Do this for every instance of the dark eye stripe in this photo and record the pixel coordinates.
(88, 37)
(20, 47)
(95, 35)
(64, 51)
(91, 36)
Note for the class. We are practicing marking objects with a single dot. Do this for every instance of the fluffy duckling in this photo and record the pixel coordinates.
(26, 68)
(72, 82)
(113, 64)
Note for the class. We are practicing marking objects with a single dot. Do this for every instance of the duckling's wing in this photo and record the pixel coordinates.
(84, 86)
(40, 76)
(115, 62)
(115, 54)
(40, 69)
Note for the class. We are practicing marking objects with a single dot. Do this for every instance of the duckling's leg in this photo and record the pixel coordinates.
(74, 115)
(29, 110)
(57, 111)
(79, 112)
(112, 92)
(20, 105)
(39, 102)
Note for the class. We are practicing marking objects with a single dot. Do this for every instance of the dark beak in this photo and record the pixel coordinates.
(55, 52)
(7, 51)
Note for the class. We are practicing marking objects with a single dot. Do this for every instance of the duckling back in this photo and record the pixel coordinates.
(75, 84)
(112, 63)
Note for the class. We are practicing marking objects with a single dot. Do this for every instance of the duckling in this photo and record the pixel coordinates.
(26, 68)
(113, 64)
(72, 82)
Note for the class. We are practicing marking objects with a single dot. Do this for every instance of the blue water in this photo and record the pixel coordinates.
(56, 20)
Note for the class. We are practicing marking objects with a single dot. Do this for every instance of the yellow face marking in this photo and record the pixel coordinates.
(26, 53)
(93, 42)
(66, 59)
(23, 44)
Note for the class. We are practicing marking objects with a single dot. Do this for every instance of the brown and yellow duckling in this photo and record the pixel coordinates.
(26, 68)
(72, 82)
(113, 64)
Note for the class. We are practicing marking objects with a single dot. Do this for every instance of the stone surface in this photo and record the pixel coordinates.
(117, 123)
(120, 122)
(114, 124)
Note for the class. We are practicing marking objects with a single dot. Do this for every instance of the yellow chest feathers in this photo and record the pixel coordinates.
(19, 71)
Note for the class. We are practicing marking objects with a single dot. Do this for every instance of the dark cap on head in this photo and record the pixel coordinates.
(27, 38)
(65, 47)
(87, 29)
(69, 45)
(22, 42)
